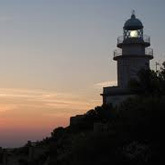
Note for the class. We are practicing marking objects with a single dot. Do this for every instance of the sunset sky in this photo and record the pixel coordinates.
(55, 56)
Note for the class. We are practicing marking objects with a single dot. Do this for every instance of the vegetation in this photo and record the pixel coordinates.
(150, 82)
(135, 129)
(133, 136)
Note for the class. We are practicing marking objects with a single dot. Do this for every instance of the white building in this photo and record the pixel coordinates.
(132, 55)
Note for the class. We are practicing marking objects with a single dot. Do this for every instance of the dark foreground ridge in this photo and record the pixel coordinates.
(130, 134)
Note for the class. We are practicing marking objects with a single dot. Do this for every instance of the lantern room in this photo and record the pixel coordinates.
(133, 27)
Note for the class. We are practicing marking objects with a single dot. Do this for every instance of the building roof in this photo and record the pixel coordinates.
(133, 23)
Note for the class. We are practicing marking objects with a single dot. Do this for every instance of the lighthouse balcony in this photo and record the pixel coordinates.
(118, 54)
(145, 40)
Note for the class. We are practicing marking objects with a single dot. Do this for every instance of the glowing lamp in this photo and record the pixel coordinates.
(133, 33)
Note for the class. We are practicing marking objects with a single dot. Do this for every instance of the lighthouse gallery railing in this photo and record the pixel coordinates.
(148, 52)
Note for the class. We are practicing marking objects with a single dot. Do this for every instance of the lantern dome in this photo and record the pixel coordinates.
(133, 23)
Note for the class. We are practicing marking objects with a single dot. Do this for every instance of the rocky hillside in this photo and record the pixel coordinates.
(130, 134)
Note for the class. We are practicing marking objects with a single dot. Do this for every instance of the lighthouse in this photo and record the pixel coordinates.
(133, 53)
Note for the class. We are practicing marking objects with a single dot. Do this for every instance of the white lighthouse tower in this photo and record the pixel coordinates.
(132, 55)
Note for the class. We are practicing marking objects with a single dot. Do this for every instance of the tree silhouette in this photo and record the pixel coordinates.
(149, 82)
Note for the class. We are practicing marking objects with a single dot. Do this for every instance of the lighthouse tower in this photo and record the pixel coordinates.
(132, 55)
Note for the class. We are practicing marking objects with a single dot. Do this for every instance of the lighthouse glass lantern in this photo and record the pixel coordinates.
(134, 34)
(133, 28)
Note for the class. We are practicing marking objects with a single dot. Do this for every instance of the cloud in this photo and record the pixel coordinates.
(37, 112)
(4, 108)
(11, 98)
(106, 83)
(31, 94)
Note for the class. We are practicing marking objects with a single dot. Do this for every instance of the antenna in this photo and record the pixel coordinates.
(133, 12)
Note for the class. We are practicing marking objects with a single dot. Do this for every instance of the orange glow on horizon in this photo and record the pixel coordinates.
(36, 113)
